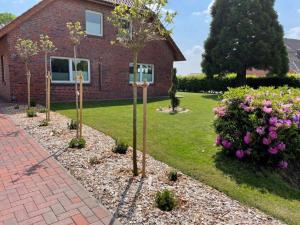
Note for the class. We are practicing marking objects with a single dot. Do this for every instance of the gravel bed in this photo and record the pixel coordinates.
(132, 199)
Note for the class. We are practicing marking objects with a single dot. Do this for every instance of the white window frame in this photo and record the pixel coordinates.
(101, 24)
(71, 81)
(139, 75)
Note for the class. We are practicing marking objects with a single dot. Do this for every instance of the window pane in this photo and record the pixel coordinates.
(93, 23)
(131, 70)
(82, 67)
(60, 69)
(147, 73)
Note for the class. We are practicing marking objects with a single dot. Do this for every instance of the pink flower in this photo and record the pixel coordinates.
(220, 111)
(287, 123)
(249, 99)
(272, 129)
(281, 146)
(273, 135)
(226, 144)
(267, 110)
(260, 130)
(239, 154)
(273, 121)
(273, 150)
(283, 164)
(267, 141)
(286, 108)
(219, 140)
(267, 103)
(247, 138)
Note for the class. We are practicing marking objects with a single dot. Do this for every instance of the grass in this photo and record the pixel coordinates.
(186, 142)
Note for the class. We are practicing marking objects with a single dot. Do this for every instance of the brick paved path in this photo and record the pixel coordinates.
(35, 189)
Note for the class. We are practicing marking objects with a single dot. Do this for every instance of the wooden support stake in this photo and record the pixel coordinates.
(48, 107)
(81, 102)
(145, 90)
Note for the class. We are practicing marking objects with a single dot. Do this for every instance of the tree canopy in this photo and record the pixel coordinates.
(5, 18)
(244, 34)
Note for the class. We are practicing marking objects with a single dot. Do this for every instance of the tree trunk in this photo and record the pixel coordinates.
(241, 77)
(76, 92)
(28, 84)
(134, 142)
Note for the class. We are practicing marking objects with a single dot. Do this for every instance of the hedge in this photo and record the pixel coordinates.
(198, 84)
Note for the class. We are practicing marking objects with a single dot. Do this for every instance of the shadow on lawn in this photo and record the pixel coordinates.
(261, 179)
(108, 103)
(214, 97)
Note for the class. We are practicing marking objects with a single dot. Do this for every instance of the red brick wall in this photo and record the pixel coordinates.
(4, 86)
(115, 59)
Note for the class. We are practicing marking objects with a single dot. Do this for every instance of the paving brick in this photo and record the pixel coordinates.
(79, 219)
(44, 196)
(50, 217)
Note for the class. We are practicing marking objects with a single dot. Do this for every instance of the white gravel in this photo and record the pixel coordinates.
(132, 199)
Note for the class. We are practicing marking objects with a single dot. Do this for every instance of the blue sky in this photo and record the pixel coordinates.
(192, 25)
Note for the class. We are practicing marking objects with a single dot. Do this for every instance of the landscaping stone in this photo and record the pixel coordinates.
(132, 199)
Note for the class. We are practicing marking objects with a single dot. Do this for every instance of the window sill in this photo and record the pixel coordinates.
(94, 36)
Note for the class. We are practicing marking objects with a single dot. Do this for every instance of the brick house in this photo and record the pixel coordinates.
(107, 68)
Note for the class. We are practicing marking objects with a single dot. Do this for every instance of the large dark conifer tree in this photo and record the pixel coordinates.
(244, 34)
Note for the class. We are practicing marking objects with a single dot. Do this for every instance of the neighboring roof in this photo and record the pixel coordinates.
(43, 3)
(293, 48)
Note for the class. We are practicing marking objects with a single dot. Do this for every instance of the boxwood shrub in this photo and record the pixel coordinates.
(201, 84)
(261, 126)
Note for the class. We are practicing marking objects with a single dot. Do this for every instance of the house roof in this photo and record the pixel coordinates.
(293, 48)
(42, 4)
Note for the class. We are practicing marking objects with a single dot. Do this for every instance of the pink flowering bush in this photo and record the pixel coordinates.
(261, 126)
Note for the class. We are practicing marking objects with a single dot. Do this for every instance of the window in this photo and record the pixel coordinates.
(145, 73)
(94, 23)
(2, 68)
(61, 69)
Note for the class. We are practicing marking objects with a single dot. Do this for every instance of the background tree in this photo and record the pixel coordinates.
(76, 34)
(142, 22)
(244, 35)
(47, 47)
(5, 18)
(173, 90)
(26, 49)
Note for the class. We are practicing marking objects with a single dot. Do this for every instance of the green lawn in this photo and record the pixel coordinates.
(186, 142)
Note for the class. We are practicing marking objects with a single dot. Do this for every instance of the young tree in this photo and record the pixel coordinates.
(173, 90)
(76, 34)
(26, 49)
(138, 23)
(47, 47)
(244, 35)
(5, 18)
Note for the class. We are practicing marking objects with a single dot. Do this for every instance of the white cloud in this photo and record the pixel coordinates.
(293, 33)
(205, 12)
(193, 61)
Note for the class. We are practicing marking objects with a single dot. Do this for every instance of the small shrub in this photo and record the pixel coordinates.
(44, 123)
(31, 112)
(73, 125)
(260, 126)
(77, 143)
(32, 103)
(120, 148)
(43, 110)
(173, 175)
(94, 160)
(165, 200)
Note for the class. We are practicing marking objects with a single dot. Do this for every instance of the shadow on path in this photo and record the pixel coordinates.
(122, 200)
